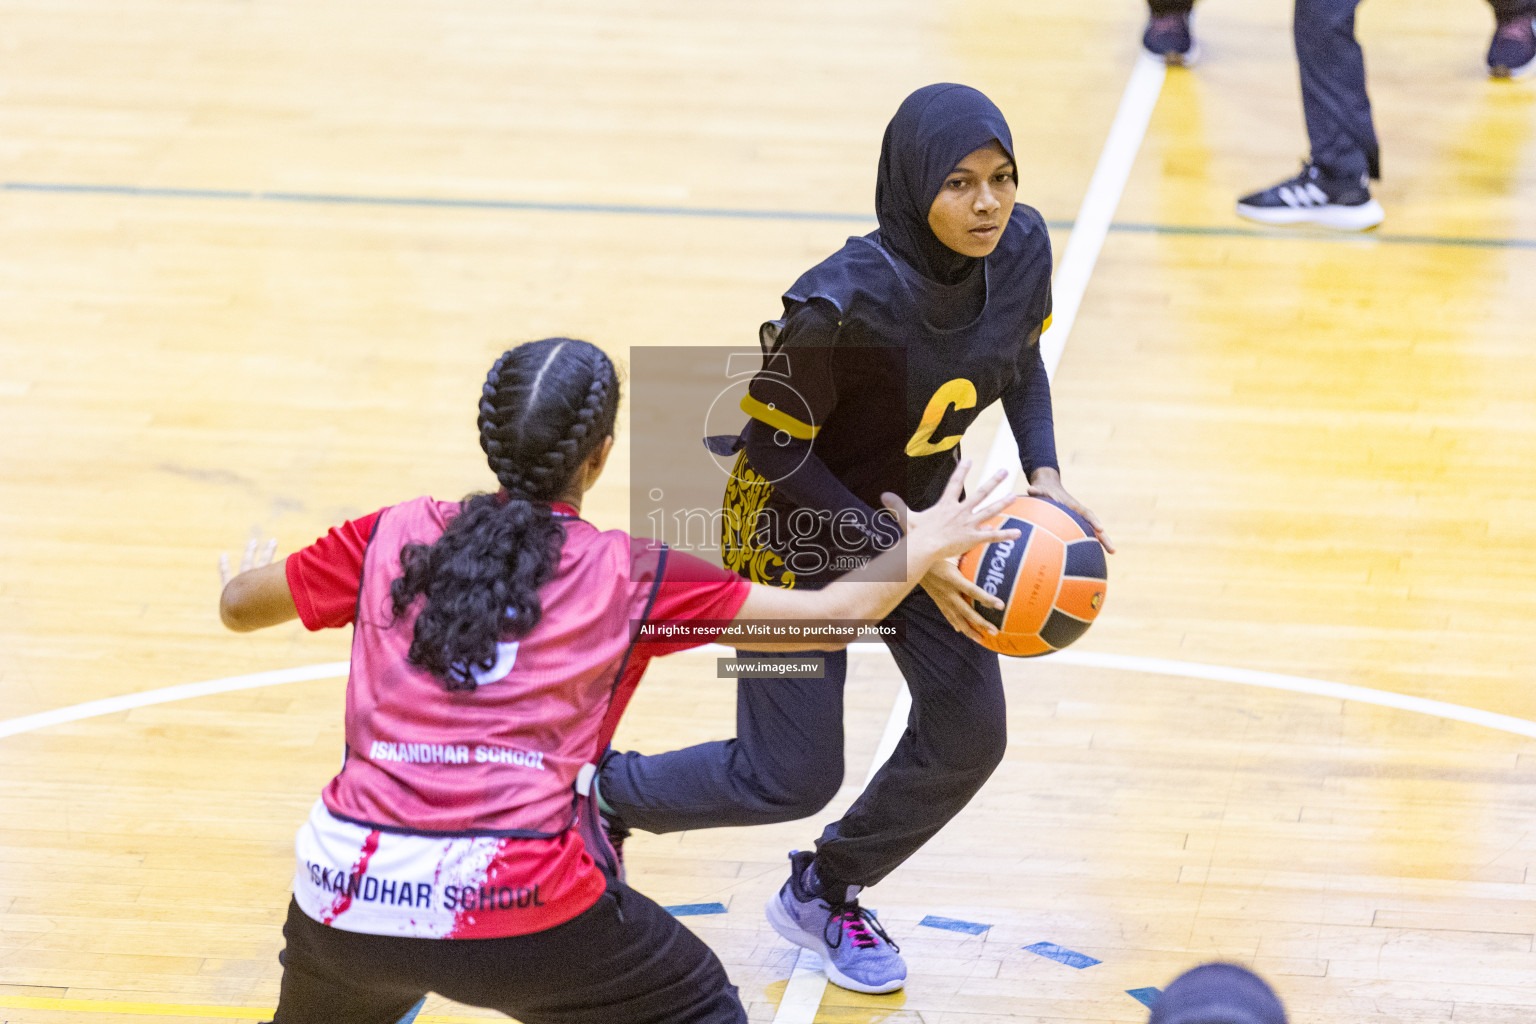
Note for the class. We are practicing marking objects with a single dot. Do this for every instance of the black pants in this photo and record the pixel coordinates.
(599, 968)
(786, 761)
(1333, 97)
(1340, 128)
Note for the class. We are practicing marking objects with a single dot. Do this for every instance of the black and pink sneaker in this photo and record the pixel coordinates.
(1512, 54)
(1170, 37)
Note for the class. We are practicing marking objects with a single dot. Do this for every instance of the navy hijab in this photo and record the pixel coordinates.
(900, 284)
(934, 129)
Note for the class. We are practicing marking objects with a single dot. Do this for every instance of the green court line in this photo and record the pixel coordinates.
(730, 213)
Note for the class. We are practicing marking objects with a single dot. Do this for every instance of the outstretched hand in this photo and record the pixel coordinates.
(250, 560)
(953, 526)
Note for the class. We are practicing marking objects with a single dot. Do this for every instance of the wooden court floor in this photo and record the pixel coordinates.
(255, 256)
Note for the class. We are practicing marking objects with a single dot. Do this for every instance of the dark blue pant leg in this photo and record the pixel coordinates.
(786, 761)
(956, 735)
(1170, 6)
(1333, 96)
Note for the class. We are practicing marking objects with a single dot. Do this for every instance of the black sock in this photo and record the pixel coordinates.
(830, 889)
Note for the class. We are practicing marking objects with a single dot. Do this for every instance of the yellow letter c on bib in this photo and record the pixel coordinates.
(959, 393)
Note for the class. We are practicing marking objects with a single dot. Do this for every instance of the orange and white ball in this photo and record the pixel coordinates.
(1053, 577)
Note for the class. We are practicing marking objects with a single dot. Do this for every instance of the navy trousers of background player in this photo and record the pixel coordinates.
(786, 761)
(1333, 97)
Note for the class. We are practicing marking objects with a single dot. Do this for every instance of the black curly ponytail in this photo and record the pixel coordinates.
(546, 406)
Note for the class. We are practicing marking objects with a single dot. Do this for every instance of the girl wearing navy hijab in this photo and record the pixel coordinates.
(887, 351)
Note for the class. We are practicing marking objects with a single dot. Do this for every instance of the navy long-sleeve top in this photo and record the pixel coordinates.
(801, 475)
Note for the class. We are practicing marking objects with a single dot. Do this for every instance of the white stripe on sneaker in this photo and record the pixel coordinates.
(1335, 215)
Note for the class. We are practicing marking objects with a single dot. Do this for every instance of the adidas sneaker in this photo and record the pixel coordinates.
(1312, 198)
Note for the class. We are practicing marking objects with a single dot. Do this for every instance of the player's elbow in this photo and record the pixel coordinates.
(239, 606)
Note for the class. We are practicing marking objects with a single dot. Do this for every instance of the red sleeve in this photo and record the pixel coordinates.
(693, 589)
(324, 578)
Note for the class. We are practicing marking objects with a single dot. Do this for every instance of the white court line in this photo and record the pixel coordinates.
(802, 995)
(1100, 202)
(186, 691)
(1071, 282)
(1084, 659)
(1089, 231)
(1297, 684)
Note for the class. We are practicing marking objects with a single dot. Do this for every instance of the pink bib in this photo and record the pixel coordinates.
(505, 758)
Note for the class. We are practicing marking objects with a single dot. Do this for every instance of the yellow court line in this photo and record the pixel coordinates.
(180, 1009)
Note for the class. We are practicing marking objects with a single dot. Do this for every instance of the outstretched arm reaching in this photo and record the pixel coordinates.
(258, 595)
(951, 527)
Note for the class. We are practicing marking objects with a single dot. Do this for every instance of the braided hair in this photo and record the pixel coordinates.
(545, 408)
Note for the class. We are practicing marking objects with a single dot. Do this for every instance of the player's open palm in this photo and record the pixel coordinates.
(955, 525)
(250, 560)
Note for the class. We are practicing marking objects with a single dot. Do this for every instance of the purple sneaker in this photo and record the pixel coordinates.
(856, 951)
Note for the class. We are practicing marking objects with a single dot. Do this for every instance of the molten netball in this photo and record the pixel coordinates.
(1053, 578)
